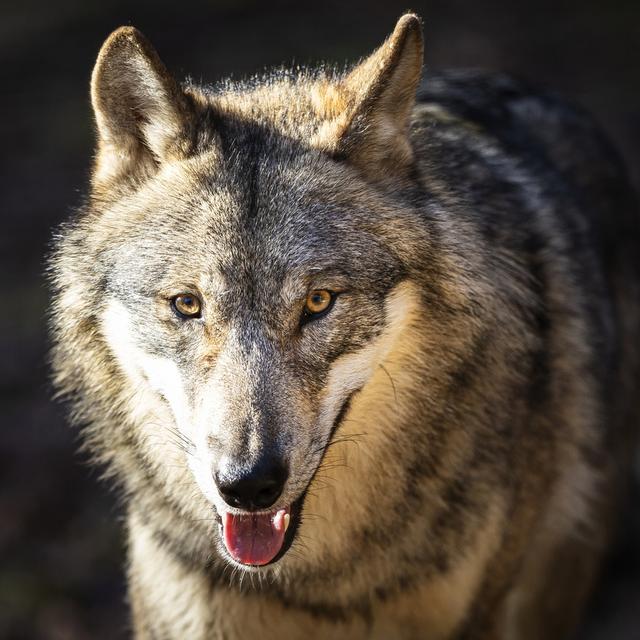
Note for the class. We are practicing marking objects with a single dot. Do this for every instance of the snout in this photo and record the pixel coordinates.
(257, 535)
(251, 487)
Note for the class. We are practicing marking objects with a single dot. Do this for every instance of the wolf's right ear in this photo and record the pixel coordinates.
(141, 113)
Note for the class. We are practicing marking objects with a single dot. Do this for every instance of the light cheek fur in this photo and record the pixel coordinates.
(145, 372)
(156, 378)
(167, 433)
(383, 372)
(351, 371)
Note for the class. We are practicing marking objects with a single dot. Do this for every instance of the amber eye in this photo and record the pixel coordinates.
(186, 305)
(318, 301)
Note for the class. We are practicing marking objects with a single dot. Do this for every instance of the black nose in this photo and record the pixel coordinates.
(250, 487)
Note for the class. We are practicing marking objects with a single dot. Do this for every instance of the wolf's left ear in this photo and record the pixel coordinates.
(141, 113)
(367, 114)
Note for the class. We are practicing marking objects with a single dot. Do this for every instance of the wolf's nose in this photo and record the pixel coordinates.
(251, 488)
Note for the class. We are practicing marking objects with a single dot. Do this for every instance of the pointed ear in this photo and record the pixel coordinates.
(367, 115)
(141, 113)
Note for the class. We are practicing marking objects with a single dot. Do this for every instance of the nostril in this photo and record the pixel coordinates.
(251, 488)
(268, 495)
(231, 497)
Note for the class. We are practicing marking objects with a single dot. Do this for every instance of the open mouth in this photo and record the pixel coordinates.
(257, 539)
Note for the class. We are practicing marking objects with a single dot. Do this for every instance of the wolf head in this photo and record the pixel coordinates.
(240, 275)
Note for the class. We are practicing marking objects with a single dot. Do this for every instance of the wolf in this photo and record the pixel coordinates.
(359, 349)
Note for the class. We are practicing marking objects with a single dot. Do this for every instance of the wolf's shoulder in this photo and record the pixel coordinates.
(531, 122)
(494, 129)
(503, 105)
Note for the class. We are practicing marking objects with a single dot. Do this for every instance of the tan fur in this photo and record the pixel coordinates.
(439, 606)
(456, 428)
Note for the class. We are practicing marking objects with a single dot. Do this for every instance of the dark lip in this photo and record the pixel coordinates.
(295, 510)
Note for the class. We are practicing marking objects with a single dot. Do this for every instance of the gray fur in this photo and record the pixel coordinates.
(466, 487)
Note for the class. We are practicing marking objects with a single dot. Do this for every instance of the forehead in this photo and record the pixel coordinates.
(254, 213)
(258, 209)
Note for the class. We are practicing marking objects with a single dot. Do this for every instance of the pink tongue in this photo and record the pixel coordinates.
(254, 538)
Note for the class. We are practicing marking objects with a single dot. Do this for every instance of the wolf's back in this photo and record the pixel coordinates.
(582, 195)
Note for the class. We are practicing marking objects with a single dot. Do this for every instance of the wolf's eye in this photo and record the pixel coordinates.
(318, 302)
(186, 305)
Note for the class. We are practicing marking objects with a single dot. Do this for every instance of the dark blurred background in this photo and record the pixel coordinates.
(61, 545)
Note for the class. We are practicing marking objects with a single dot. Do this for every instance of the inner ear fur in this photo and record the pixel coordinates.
(366, 115)
(142, 115)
